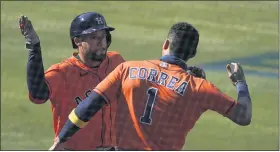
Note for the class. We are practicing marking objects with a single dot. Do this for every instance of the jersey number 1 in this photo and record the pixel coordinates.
(146, 117)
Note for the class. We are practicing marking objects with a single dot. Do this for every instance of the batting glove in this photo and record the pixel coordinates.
(235, 73)
(197, 72)
(28, 31)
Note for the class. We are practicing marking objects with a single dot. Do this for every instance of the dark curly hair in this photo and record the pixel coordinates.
(183, 39)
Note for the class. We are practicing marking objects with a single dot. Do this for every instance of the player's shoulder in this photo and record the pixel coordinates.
(135, 63)
(111, 54)
(196, 79)
(202, 83)
(194, 82)
(138, 64)
(115, 57)
(209, 84)
(60, 67)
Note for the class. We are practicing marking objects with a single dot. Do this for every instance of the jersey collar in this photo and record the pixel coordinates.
(81, 65)
(174, 60)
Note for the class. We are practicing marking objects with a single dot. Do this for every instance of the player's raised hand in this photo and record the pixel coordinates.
(235, 73)
(27, 30)
(197, 72)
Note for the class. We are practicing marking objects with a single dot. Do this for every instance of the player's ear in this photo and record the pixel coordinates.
(165, 45)
(77, 41)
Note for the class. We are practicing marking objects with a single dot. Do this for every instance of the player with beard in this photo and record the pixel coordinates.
(67, 83)
(159, 103)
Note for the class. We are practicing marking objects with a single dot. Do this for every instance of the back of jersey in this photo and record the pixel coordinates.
(160, 100)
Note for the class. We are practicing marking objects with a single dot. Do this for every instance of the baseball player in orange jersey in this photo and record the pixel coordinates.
(67, 83)
(158, 101)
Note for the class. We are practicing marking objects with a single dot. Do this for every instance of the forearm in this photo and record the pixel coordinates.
(243, 111)
(37, 86)
(244, 99)
(80, 116)
(243, 94)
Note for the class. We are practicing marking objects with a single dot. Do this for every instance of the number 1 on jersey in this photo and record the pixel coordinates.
(146, 117)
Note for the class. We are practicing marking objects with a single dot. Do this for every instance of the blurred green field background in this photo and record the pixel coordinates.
(228, 30)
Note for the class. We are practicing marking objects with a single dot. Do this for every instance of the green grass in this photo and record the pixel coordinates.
(271, 62)
(263, 69)
(227, 30)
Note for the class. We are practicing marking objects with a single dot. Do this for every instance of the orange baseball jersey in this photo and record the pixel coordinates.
(69, 83)
(158, 103)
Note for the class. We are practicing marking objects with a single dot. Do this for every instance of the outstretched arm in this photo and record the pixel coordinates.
(240, 110)
(37, 86)
(80, 116)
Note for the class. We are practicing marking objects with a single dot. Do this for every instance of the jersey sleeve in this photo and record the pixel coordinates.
(210, 97)
(111, 85)
(55, 81)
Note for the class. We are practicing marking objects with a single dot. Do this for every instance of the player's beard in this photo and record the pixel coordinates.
(94, 56)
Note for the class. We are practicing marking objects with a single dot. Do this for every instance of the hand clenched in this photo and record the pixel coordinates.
(28, 31)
